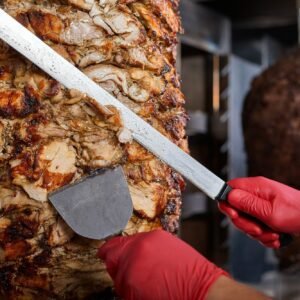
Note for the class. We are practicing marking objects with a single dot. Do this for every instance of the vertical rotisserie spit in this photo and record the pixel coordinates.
(51, 136)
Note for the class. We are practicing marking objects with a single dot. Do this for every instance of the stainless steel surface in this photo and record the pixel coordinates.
(204, 28)
(56, 66)
(97, 206)
(241, 75)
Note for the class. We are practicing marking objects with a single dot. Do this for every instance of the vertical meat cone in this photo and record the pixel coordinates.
(51, 136)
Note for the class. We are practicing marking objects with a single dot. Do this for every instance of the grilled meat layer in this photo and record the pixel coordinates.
(51, 136)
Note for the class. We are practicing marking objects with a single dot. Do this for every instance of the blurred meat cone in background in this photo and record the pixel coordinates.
(271, 120)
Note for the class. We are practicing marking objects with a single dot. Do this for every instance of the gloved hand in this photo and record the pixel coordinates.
(274, 204)
(157, 265)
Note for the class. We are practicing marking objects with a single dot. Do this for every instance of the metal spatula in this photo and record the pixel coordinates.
(97, 206)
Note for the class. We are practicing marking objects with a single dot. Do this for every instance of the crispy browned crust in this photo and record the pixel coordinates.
(50, 136)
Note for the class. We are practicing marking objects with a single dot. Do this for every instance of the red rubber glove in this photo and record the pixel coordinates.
(274, 204)
(157, 265)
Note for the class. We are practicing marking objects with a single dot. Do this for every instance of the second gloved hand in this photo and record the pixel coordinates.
(260, 199)
(157, 265)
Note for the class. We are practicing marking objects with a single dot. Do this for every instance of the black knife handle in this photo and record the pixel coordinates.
(223, 195)
(284, 238)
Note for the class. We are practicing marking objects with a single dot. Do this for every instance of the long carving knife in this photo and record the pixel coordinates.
(22, 40)
(25, 42)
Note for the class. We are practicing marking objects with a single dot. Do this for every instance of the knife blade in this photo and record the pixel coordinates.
(22, 40)
(25, 42)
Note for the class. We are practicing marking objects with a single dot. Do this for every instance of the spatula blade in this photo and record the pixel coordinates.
(97, 206)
